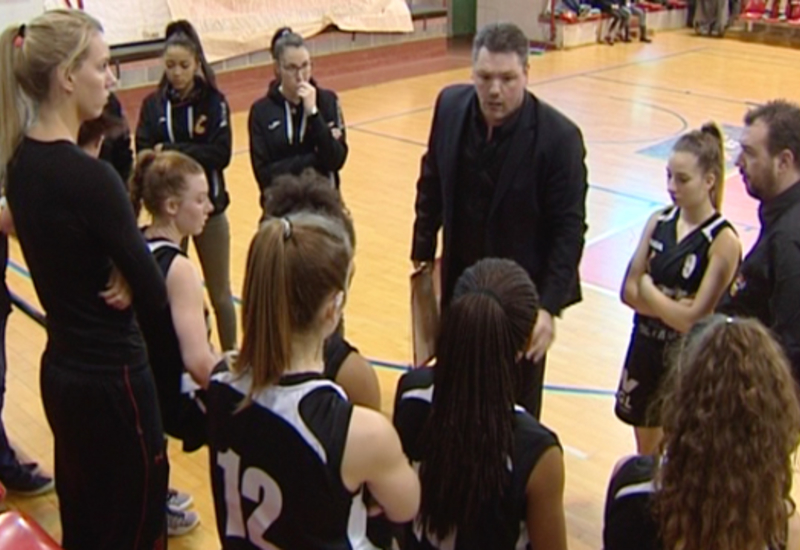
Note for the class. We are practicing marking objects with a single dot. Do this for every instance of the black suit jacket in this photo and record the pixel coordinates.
(537, 215)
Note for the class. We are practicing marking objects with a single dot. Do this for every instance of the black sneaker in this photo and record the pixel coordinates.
(28, 484)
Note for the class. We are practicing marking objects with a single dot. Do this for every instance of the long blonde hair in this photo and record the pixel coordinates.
(28, 56)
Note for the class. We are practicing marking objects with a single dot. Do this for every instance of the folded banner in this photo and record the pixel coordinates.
(229, 28)
(425, 296)
(234, 27)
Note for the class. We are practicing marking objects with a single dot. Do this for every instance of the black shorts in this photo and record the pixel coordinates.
(642, 374)
(110, 463)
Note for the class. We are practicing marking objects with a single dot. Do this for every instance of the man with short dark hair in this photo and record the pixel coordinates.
(768, 284)
(504, 176)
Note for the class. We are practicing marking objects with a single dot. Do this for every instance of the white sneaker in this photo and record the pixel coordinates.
(178, 501)
(179, 523)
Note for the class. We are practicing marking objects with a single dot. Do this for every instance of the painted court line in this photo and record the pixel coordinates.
(575, 452)
(669, 90)
(573, 390)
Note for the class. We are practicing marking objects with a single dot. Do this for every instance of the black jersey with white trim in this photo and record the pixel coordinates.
(677, 268)
(629, 522)
(276, 465)
(503, 526)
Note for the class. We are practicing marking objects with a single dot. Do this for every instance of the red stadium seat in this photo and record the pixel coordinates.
(19, 532)
(794, 12)
(754, 9)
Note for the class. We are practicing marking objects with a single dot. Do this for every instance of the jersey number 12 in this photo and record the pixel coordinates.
(256, 486)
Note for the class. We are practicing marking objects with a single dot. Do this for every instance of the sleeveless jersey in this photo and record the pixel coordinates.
(503, 526)
(629, 522)
(276, 465)
(677, 268)
(181, 414)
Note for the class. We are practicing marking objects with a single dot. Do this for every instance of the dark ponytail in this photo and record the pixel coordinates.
(468, 436)
(182, 33)
(284, 38)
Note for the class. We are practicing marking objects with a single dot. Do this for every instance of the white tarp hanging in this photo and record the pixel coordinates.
(234, 27)
(124, 20)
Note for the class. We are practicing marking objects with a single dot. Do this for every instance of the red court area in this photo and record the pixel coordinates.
(605, 260)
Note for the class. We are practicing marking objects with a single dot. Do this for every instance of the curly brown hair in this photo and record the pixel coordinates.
(731, 425)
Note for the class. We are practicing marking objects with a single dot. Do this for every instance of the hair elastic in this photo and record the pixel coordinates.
(287, 228)
(20, 38)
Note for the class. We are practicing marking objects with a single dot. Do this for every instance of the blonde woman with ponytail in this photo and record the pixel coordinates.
(685, 260)
(74, 223)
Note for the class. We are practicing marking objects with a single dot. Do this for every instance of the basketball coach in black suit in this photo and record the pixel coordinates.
(504, 176)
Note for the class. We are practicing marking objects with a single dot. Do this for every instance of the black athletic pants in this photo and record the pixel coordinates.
(531, 385)
(111, 467)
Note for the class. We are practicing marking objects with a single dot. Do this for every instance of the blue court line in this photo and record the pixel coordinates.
(30, 310)
(671, 90)
(557, 388)
(414, 111)
(389, 136)
(615, 67)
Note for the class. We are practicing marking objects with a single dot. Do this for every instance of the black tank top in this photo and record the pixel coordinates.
(181, 413)
(629, 522)
(276, 465)
(677, 268)
(503, 526)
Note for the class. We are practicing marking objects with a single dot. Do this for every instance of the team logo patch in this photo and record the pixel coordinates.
(738, 285)
(626, 387)
(200, 125)
(688, 265)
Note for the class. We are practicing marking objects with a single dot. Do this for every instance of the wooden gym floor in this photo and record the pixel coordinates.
(629, 100)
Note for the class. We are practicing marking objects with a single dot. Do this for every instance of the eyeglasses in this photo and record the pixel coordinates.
(297, 69)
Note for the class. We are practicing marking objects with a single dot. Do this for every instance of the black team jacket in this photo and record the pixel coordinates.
(198, 126)
(283, 140)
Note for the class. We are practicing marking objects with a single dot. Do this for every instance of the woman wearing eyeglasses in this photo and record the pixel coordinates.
(297, 125)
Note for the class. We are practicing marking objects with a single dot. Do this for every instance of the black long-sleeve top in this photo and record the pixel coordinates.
(281, 142)
(74, 222)
(768, 284)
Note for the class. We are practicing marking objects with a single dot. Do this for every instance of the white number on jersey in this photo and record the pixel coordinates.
(256, 486)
